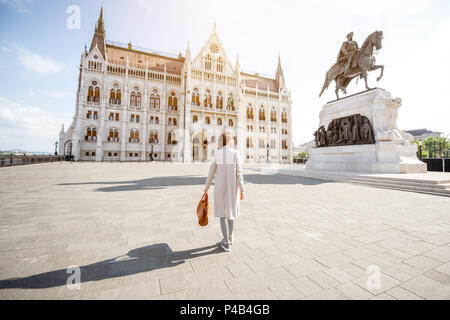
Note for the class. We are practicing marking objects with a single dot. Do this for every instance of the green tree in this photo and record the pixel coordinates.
(434, 147)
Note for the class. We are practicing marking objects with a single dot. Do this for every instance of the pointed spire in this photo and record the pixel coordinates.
(214, 26)
(100, 23)
(237, 66)
(279, 68)
(279, 77)
(62, 129)
(99, 35)
(188, 51)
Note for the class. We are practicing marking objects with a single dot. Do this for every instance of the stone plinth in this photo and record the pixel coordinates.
(393, 152)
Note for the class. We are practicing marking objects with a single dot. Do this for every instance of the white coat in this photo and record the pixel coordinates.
(227, 170)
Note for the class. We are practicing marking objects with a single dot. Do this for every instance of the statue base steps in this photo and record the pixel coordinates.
(435, 183)
(393, 152)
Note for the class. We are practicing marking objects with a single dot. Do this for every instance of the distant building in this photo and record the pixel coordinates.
(132, 102)
(422, 134)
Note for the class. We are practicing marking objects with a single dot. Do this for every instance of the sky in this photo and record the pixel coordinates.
(40, 48)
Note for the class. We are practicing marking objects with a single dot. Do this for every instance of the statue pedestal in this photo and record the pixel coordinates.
(393, 151)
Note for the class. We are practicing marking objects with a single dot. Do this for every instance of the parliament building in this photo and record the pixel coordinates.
(135, 104)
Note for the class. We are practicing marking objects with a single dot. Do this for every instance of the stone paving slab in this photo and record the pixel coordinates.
(131, 229)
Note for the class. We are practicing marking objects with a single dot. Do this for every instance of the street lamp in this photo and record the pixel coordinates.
(152, 143)
(420, 149)
(56, 147)
(205, 144)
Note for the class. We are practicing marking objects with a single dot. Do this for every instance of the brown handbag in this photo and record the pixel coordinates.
(203, 211)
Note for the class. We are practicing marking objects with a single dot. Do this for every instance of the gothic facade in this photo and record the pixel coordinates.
(135, 104)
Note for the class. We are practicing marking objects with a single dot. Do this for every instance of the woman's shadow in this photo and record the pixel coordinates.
(155, 256)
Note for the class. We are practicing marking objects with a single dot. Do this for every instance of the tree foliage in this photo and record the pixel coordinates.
(434, 147)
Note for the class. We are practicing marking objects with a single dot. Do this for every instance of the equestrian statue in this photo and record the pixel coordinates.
(353, 61)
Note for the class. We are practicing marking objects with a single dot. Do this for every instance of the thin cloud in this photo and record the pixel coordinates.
(59, 94)
(19, 5)
(26, 127)
(421, 79)
(37, 63)
(146, 4)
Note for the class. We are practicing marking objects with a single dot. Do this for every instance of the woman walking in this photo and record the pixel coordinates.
(227, 170)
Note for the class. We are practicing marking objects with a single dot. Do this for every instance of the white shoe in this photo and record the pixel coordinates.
(224, 246)
(231, 240)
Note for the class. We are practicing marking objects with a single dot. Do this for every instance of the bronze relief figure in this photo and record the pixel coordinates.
(351, 130)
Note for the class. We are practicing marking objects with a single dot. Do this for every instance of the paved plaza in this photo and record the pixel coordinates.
(131, 230)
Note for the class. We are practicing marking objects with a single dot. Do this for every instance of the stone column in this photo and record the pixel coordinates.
(76, 135)
(280, 123)
(289, 140)
(163, 106)
(101, 129)
(144, 125)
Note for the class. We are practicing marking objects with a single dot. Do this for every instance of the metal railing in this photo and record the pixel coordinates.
(18, 160)
(438, 165)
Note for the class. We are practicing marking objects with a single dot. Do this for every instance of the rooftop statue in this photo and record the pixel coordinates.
(353, 61)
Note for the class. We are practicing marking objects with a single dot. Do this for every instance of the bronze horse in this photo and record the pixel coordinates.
(365, 63)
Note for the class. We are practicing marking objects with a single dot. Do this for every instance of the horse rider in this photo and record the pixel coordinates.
(348, 51)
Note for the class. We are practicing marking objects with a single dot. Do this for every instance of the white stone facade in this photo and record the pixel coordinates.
(127, 96)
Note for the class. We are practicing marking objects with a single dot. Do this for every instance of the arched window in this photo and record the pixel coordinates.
(230, 122)
(133, 99)
(171, 139)
(249, 111)
(219, 121)
(219, 100)
(152, 101)
(208, 62)
(113, 135)
(262, 114)
(90, 96)
(157, 101)
(97, 94)
(153, 138)
(219, 64)
(138, 99)
(208, 100)
(249, 142)
(118, 97)
(230, 102)
(93, 92)
(273, 115)
(91, 134)
(261, 143)
(195, 98)
(134, 136)
(173, 103)
(112, 96)
(284, 116)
